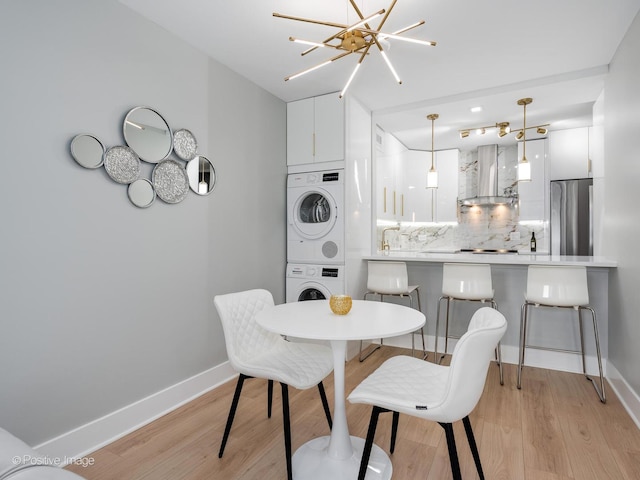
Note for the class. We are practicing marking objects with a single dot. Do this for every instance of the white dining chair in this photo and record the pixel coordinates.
(444, 394)
(470, 282)
(561, 287)
(256, 353)
(387, 278)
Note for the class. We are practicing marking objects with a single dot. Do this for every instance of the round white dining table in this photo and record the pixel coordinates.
(337, 457)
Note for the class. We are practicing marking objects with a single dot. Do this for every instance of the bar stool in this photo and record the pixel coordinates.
(561, 287)
(392, 279)
(469, 282)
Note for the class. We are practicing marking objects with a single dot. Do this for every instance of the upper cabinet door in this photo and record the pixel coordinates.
(315, 130)
(447, 191)
(533, 195)
(569, 154)
(329, 128)
(300, 129)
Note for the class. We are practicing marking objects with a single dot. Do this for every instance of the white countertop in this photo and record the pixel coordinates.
(495, 258)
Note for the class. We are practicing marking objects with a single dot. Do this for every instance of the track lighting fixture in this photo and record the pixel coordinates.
(464, 133)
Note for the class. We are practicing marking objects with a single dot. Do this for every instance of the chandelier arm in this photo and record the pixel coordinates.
(384, 19)
(398, 37)
(315, 67)
(406, 29)
(309, 20)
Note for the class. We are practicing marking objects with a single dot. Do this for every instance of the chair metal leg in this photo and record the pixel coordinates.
(368, 444)
(472, 444)
(453, 452)
(325, 404)
(232, 412)
(269, 397)
(394, 431)
(287, 428)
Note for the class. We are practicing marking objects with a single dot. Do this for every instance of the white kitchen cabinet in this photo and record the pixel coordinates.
(569, 154)
(533, 194)
(388, 179)
(315, 130)
(415, 199)
(447, 192)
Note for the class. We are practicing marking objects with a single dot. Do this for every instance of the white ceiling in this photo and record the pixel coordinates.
(489, 53)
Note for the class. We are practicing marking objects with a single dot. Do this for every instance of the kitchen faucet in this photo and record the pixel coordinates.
(385, 244)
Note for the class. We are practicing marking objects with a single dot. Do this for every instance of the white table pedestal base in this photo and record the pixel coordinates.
(312, 462)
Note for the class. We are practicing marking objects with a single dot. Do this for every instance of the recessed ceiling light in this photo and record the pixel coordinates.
(476, 109)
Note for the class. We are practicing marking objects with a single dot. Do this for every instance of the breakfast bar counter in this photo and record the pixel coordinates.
(555, 327)
(494, 258)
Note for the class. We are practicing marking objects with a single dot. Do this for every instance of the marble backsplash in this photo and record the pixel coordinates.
(486, 226)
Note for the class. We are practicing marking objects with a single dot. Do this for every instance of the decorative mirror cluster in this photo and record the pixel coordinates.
(149, 138)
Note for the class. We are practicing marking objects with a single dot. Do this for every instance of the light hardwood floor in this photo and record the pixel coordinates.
(555, 428)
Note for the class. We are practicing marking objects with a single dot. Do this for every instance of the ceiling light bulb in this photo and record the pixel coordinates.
(480, 131)
(476, 109)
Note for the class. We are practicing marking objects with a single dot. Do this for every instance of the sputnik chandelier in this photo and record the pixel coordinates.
(357, 39)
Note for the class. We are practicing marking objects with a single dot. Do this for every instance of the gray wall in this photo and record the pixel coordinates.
(102, 303)
(621, 219)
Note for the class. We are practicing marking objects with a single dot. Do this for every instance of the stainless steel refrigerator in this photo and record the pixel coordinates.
(571, 217)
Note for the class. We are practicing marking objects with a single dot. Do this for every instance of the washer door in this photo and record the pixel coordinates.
(314, 214)
(313, 291)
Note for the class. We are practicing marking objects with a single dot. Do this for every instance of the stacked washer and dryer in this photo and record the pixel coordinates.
(315, 235)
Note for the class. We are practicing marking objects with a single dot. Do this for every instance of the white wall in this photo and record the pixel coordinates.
(621, 219)
(102, 303)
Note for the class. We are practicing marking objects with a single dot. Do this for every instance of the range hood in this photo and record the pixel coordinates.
(487, 188)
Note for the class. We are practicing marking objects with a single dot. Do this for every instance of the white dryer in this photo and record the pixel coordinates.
(313, 282)
(315, 217)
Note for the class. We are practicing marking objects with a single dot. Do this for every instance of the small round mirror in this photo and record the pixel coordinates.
(184, 144)
(122, 164)
(148, 134)
(202, 175)
(87, 150)
(170, 181)
(141, 193)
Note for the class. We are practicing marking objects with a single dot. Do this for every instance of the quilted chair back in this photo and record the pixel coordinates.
(469, 363)
(244, 338)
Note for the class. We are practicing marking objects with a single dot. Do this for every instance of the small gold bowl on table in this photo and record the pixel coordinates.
(340, 304)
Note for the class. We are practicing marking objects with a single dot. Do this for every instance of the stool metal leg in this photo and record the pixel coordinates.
(360, 357)
(601, 393)
(523, 338)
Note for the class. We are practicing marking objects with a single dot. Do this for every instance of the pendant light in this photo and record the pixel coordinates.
(524, 167)
(432, 175)
(203, 187)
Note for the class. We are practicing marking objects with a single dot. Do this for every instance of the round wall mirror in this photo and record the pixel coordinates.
(148, 134)
(202, 175)
(141, 193)
(184, 144)
(87, 150)
(170, 181)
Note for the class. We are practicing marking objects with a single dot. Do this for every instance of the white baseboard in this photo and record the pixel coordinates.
(625, 393)
(564, 362)
(88, 438)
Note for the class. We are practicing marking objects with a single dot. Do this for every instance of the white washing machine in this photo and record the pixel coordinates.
(313, 282)
(315, 217)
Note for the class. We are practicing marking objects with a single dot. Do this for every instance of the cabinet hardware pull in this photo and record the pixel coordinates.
(402, 205)
(384, 200)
